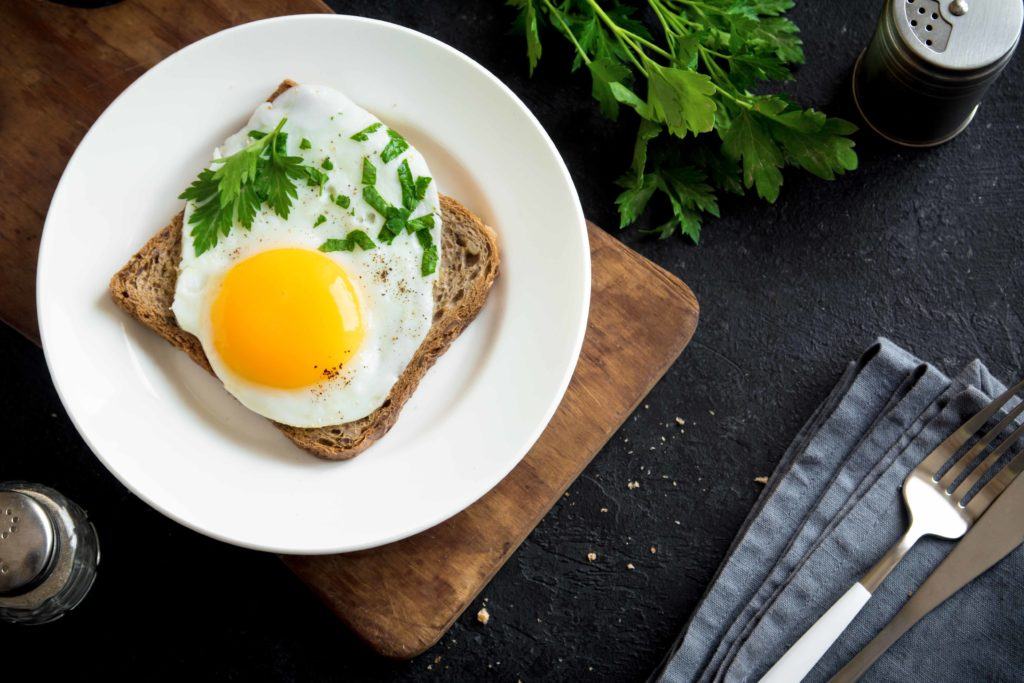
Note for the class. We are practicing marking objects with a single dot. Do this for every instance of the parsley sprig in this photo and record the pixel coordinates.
(236, 186)
(698, 68)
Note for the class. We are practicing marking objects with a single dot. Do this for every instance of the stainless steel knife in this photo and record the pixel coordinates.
(999, 531)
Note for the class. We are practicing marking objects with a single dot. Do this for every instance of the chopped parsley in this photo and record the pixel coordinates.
(327, 164)
(320, 220)
(396, 218)
(235, 187)
(305, 144)
(408, 185)
(422, 183)
(374, 199)
(257, 134)
(342, 200)
(356, 238)
(428, 264)
(364, 134)
(369, 172)
(394, 148)
(424, 223)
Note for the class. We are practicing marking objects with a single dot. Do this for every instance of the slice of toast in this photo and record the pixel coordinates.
(144, 288)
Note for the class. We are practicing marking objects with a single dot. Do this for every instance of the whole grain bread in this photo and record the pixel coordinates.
(144, 288)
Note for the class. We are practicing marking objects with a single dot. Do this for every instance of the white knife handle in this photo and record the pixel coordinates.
(812, 646)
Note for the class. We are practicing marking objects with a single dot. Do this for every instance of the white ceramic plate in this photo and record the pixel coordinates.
(169, 431)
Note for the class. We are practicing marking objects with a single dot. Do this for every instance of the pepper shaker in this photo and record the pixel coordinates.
(920, 80)
(48, 554)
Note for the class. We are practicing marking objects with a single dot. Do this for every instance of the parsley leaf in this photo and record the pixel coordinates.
(276, 182)
(604, 72)
(356, 238)
(428, 263)
(369, 172)
(320, 220)
(422, 183)
(387, 235)
(327, 164)
(749, 142)
(364, 134)
(305, 144)
(692, 75)
(374, 199)
(314, 177)
(409, 200)
(528, 21)
(425, 222)
(342, 200)
(396, 145)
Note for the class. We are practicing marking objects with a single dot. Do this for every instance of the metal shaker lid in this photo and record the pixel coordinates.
(959, 35)
(27, 541)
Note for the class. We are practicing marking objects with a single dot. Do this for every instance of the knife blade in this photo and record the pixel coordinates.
(999, 531)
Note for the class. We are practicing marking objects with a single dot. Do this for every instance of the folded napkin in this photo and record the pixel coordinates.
(830, 511)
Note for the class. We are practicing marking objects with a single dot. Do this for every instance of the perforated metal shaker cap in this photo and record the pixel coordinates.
(27, 539)
(930, 62)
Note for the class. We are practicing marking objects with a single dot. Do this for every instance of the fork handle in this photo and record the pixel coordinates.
(815, 642)
(801, 657)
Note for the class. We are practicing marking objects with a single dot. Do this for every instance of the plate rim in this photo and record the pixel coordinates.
(500, 472)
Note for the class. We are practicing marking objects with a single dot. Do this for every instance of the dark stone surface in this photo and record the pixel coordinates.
(923, 247)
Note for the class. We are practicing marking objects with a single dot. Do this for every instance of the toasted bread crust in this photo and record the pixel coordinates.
(144, 288)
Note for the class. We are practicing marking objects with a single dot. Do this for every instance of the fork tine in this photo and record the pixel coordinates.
(981, 470)
(965, 461)
(990, 491)
(957, 439)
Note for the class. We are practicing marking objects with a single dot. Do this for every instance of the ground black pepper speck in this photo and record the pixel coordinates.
(921, 246)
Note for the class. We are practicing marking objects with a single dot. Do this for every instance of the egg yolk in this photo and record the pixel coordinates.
(286, 318)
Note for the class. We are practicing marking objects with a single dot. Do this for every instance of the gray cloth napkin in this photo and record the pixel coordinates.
(830, 511)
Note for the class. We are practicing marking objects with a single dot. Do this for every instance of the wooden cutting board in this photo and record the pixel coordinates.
(60, 67)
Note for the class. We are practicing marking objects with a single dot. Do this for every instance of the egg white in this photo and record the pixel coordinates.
(396, 299)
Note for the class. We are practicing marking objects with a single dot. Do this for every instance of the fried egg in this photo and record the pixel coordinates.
(305, 337)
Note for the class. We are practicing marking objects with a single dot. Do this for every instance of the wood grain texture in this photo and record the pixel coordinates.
(403, 597)
(60, 67)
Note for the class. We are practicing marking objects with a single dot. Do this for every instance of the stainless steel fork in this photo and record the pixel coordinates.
(938, 506)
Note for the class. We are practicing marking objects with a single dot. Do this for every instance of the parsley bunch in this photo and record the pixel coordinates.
(696, 72)
(260, 172)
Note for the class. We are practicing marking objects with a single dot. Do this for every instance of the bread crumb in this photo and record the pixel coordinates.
(680, 421)
(711, 413)
(676, 521)
(629, 566)
(604, 509)
(654, 550)
(437, 659)
(761, 480)
(633, 485)
(591, 556)
(483, 616)
(646, 406)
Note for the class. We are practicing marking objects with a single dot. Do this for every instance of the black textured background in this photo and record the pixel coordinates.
(923, 247)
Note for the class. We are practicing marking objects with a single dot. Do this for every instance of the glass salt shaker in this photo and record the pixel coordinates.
(48, 553)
